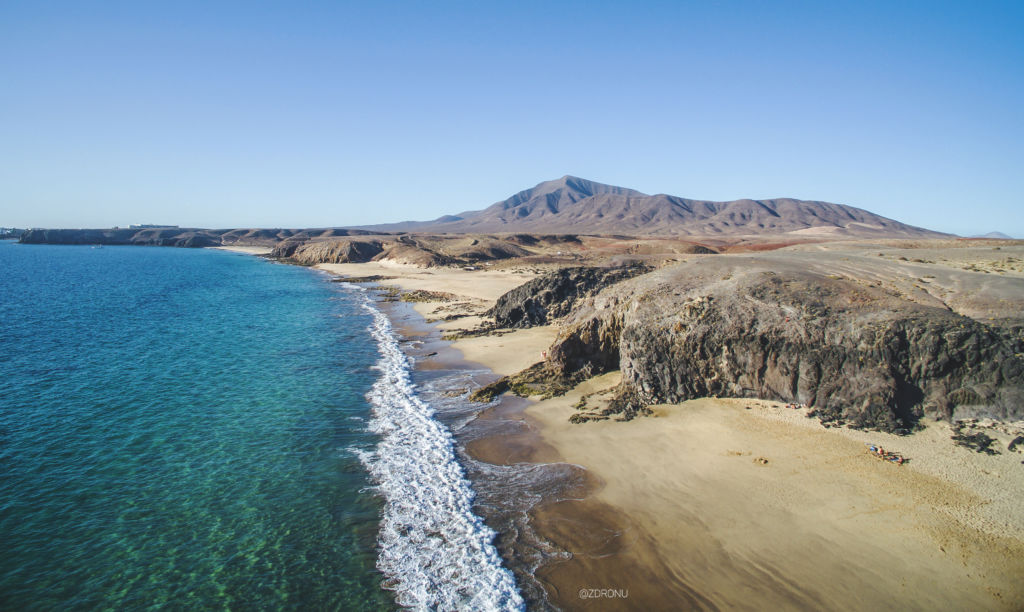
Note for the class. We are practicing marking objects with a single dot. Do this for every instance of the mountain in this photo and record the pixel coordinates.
(575, 205)
(994, 235)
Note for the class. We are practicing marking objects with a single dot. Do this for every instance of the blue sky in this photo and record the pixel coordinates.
(297, 114)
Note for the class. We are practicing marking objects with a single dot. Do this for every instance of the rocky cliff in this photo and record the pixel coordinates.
(147, 237)
(423, 250)
(181, 237)
(552, 296)
(733, 327)
(328, 251)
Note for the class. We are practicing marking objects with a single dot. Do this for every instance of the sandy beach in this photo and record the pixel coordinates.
(248, 250)
(752, 505)
(743, 504)
(472, 293)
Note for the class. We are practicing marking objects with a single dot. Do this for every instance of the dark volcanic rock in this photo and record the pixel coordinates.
(551, 296)
(732, 328)
(286, 249)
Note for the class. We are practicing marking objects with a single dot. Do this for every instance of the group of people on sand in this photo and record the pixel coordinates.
(885, 455)
(795, 406)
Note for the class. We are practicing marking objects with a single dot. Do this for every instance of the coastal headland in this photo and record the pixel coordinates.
(777, 404)
(721, 502)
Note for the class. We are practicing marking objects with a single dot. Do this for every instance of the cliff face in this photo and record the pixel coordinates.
(335, 245)
(333, 251)
(422, 250)
(147, 237)
(729, 327)
(181, 237)
(552, 296)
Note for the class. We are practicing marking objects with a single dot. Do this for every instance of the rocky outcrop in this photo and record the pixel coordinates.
(354, 250)
(414, 254)
(286, 249)
(419, 250)
(534, 239)
(552, 296)
(730, 327)
(492, 250)
(699, 249)
(192, 241)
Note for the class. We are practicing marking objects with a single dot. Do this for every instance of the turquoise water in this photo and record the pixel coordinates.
(177, 429)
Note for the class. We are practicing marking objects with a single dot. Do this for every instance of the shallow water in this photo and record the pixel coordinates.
(438, 554)
(505, 492)
(173, 431)
(197, 429)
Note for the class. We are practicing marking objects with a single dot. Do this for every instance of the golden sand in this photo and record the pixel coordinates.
(249, 250)
(740, 504)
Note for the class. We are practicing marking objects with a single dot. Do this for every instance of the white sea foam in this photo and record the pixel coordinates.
(436, 553)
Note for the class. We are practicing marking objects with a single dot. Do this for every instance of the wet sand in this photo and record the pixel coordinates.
(711, 505)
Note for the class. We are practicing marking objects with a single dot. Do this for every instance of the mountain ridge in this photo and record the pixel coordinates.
(577, 205)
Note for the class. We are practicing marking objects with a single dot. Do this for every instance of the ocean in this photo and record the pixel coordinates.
(195, 429)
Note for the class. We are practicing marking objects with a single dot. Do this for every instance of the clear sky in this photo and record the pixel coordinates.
(298, 114)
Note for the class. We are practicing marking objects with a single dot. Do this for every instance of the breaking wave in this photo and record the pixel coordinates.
(435, 552)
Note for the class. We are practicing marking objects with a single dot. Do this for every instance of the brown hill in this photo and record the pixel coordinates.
(572, 204)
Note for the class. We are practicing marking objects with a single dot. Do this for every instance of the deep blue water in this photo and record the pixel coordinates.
(177, 429)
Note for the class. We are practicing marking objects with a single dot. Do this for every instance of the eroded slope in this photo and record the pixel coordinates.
(771, 328)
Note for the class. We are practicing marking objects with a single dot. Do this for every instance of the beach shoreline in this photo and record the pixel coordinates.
(500, 438)
(751, 504)
(733, 503)
(248, 250)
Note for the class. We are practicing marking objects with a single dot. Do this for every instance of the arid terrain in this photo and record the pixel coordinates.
(770, 498)
(723, 376)
(573, 204)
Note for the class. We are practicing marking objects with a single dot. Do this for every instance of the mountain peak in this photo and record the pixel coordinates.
(582, 184)
(555, 194)
(570, 204)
